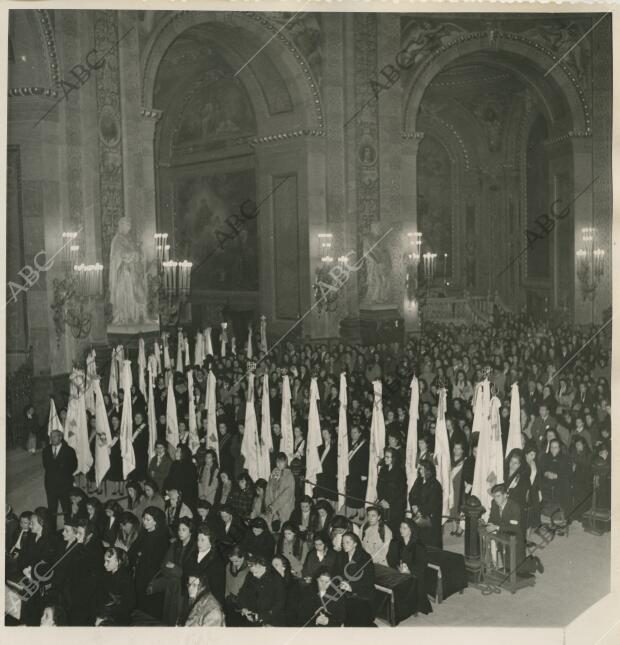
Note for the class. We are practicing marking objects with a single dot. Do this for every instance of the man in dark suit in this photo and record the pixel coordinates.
(59, 462)
(505, 518)
(541, 424)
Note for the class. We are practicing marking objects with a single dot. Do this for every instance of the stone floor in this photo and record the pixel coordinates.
(576, 570)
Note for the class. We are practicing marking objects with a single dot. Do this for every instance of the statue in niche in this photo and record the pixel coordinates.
(127, 284)
(378, 265)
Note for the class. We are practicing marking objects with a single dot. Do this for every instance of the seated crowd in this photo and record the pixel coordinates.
(191, 539)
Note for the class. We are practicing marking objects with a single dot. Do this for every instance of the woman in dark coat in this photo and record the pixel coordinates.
(358, 574)
(146, 555)
(110, 527)
(321, 556)
(425, 498)
(183, 476)
(392, 490)
(304, 517)
(116, 594)
(534, 496)
(581, 478)
(115, 473)
(36, 557)
(327, 481)
(259, 540)
(140, 439)
(408, 555)
(206, 563)
(555, 481)
(357, 479)
(170, 580)
(292, 589)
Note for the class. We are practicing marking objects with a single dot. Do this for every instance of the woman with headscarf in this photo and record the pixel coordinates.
(203, 608)
(280, 492)
(358, 581)
(408, 555)
(146, 555)
(207, 563)
(183, 476)
(259, 540)
(321, 555)
(169, 578)
(176, 509)
(426, 500)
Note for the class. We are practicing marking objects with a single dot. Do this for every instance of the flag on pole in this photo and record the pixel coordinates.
(223, 339)
(286, 420)
(126, 432)
(411, 450)
(151, 418)
(199, 349)
(489, 468)
(249, 348)
(180, 348)
(172, 424)
(442, 458)
(157, 352)
(53, 420)
(266, 443)
(194, 439)
(113, 382)
(76, 434)
(515, 440)
(343, 439)
(314, 439)
(213, 441)
(208, 342)
(167, 363)
(103, 440)
(233, 346)
(377, 441)
(250, 445)
(91, 373)
(141, 367)
(263, 334)
(188, 358)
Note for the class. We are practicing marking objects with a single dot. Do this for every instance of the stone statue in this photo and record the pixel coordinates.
(378, 267)
(127, 284)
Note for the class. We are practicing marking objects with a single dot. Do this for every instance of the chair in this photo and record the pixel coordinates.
(438, 597)
(502, 575)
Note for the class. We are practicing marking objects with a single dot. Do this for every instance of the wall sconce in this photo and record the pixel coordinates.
(590, 263)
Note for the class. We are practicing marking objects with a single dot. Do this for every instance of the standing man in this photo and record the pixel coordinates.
(60, 463)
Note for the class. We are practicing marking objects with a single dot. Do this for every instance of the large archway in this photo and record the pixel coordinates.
(235, 122)
(484, 91)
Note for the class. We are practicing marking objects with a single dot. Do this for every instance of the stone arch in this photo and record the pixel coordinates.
(254, 31)
(532, 62)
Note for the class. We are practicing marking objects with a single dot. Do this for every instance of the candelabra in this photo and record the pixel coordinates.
(412, 262)
(174, 282)
(74, 298)
(328, 281)
(590, 261)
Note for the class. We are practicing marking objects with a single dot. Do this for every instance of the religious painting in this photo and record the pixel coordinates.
(218, 111)
(225, 256)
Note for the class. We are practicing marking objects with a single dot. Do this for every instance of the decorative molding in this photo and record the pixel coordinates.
(290, 134)
(109, 126)
(24, 92)
(301, 60)
(572, 134)
(50, 44)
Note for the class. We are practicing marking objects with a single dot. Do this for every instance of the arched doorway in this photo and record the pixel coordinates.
(236, 119)
(483, 93)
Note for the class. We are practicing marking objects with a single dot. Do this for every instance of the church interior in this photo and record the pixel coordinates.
(400, 196)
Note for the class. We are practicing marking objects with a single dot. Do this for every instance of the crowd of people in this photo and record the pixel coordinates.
(188, 538)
